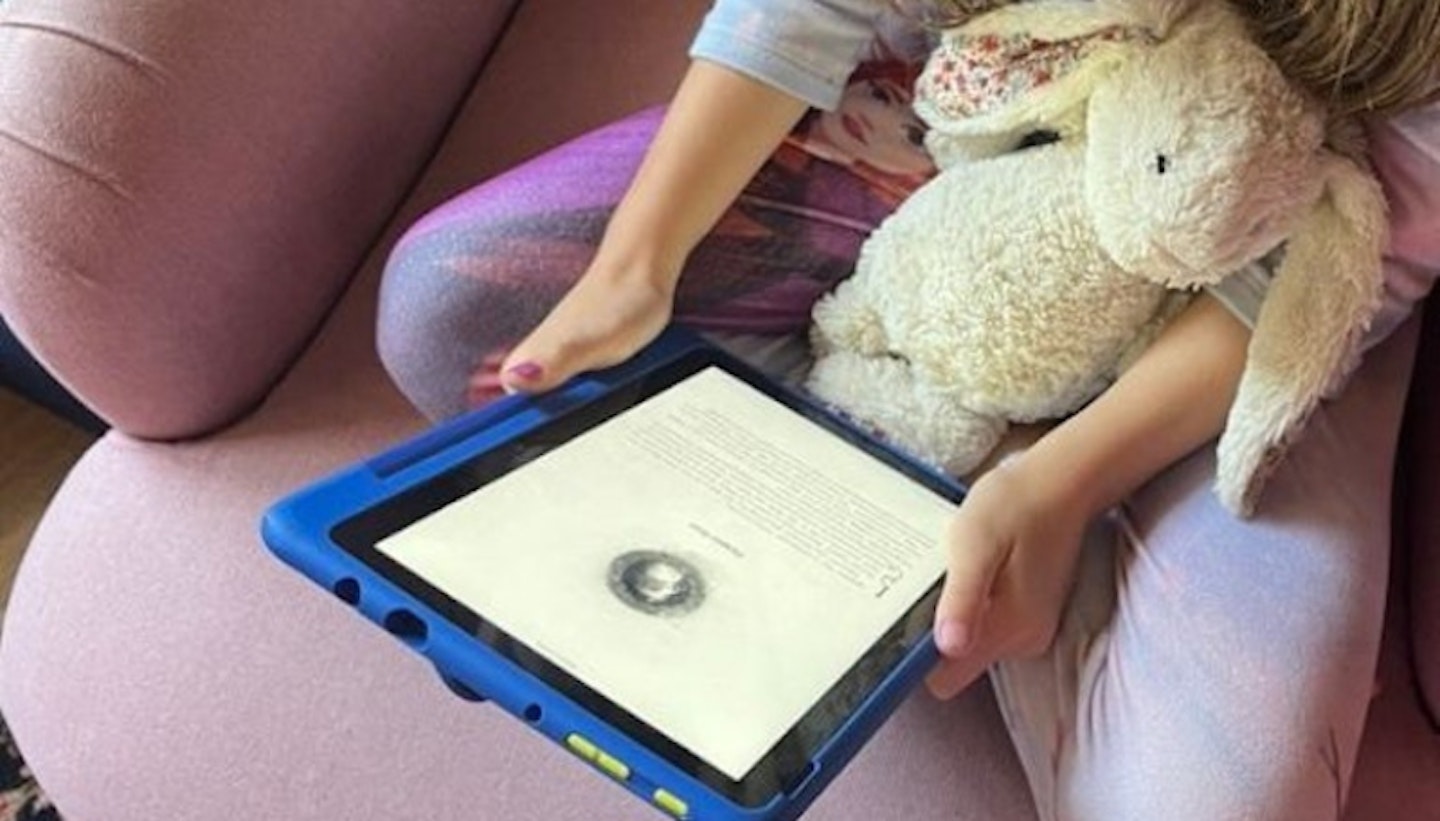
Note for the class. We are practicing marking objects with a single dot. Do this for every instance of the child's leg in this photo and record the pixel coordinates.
(1215, 669)
(471, 279)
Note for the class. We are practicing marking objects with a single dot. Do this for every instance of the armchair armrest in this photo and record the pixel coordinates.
(188, 186)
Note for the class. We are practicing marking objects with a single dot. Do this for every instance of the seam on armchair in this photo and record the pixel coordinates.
(133, 58)
(109, 182)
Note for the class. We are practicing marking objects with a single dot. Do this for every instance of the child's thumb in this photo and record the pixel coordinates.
(974, 562)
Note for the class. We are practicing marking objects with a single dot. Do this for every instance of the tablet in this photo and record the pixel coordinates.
(693, 578)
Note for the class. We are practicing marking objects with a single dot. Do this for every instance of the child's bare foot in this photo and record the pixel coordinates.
(602, 321)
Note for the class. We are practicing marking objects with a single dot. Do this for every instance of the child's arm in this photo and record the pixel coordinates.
(1014, 540)
(720, 128)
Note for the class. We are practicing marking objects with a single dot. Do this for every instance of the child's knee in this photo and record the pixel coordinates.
(434, 322)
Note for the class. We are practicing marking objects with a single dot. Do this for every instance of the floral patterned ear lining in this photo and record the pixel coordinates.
(969, 75)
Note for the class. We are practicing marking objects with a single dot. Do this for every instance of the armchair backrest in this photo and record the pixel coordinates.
(187, 186)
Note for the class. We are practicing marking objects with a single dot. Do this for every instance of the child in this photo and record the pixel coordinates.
(1183, 664)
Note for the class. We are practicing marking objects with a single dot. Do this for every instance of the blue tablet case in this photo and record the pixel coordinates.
(298, 529)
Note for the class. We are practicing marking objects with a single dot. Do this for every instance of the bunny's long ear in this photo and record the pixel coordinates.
(1307, 338)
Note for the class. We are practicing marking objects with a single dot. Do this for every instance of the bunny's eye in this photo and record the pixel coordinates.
(1162, 163)
(1037, 138)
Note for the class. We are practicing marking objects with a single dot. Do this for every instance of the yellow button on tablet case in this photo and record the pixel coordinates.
(611, 765)
(669, 803)
(582, 747)
(586, 749)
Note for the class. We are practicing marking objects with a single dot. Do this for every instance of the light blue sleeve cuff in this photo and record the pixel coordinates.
(806, 48)
(1243, 292)
(758, 62)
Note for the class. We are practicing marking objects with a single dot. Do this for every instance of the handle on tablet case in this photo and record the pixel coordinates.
(462, 427)
(458, 687)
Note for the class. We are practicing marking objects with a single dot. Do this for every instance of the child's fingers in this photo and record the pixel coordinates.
(975, 559)
(953, 675)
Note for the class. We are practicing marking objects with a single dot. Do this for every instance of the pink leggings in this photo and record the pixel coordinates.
(1207, 669)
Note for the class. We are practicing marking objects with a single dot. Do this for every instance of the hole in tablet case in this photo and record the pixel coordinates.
(348, 590)
(407, 627)
(533, 713)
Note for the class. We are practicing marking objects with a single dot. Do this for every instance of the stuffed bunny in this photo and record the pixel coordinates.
(1099, 162)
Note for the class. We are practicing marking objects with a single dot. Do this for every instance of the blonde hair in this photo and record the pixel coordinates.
(1356, 55)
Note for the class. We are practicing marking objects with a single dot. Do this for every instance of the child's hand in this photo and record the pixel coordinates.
(604, 319)
(1014, 541)
(1013, 545)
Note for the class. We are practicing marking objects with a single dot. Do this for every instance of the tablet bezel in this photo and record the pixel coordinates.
(787, 763)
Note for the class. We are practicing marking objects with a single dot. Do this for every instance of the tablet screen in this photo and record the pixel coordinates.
(706, 560)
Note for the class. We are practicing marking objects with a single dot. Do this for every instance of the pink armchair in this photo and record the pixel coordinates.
(197, 198)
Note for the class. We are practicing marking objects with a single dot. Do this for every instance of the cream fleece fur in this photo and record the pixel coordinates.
(1017, 284)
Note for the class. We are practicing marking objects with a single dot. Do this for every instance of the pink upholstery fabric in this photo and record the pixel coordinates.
(550, 80)
(189, 185)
